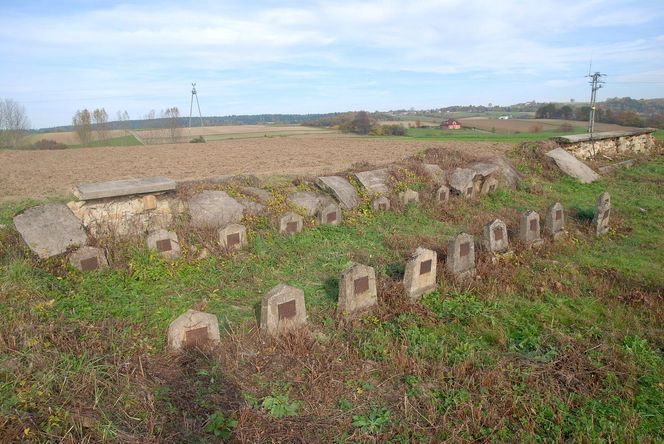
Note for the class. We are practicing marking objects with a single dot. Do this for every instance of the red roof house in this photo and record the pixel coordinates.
(450, 124)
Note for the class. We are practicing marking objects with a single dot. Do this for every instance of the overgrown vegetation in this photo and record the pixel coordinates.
(559, 344)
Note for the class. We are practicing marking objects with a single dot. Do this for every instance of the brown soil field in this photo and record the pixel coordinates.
(39, 174)
(528, 125)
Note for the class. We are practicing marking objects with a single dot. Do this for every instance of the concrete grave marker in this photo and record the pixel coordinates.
(461, 256)
(375, 181)
(193, 329)
(88, 259)
(282, 310)
(50, 229)
(420, 273)
(409, 196)
(341, 189)
(489, 185)
(554, 223)
(443, 194)
(357, 289)
(495, 239)
(214, 209)
(330, 214)
(290, 223)
(310, 202)
(165, 242)
(602, 214)
(529, 229)
(381, 203)
(233, 237)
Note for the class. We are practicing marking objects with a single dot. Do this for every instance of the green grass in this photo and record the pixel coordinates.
(469, 135)
(559, 344)
(128, 140)
(659, 134)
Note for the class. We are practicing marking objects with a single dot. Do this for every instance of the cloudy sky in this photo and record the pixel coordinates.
(269, 56)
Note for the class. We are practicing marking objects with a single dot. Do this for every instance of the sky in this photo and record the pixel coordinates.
(267, 56)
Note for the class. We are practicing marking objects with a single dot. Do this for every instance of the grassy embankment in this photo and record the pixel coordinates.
(562, 343)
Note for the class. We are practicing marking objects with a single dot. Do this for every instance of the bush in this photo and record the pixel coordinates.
(389, 130)
(47, 144)
(197, 139)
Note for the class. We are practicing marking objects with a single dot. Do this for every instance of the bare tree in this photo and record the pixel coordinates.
(81, 122)
(13, 123)
(101, 123)
(172, 116)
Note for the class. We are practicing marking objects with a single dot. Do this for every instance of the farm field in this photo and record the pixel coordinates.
(528, 125)
(562, 343)
(38, 174)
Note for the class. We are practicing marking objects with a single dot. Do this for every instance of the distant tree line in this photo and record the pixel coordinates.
(605, 113)
(360, 122)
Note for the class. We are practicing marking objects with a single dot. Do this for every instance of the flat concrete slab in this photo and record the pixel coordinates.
(126, 187)
(587, 137)
(572, 166)
(375, 180)
(342, 190)
(50, 229)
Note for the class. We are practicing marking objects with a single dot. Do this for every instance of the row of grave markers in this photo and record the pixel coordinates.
(283, 308)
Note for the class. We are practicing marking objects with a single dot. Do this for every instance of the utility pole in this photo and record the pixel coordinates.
(191, 104)
(596, 84)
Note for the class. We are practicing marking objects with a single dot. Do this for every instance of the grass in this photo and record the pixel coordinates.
(469, 135)
(128, 140)
(559, 344)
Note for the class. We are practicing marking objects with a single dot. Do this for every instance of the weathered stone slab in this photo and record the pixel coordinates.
(165, 243)
(510, 174)
(381, 203)
(214, 209)
(89, 259)
(126, 187)
(260, 194)
(443, 194)
(309, 201)
(461, 181)
(461, 256)
(194, 329)
(420, 273)
(251, 208)
(290, 223)
(50, 229)
(376, 181)
(529, 229)
(436, 173)
(495, 239)
(357, 289)
(614, 166)
(329, 215)
(572, 166)
(489, 185)
(233, 237)
(602, 214)
(409, 196)
(554, 224)
(483, 169)
(282, 310)
(341, 189)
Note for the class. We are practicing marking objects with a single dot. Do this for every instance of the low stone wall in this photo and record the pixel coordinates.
(615, 143)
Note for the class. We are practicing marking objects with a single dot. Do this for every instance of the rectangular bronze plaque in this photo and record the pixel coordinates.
(89, 264)
(164, 245)
(195, 337)
(606, 214)
(286, 310)
(533, 225)
(498, 233)
(233, 240)
(382, 207)
(291, 227)
(464, 249)
(469, 191)
(425, 267)
(331, 217)
(361, 285)
(559, 214)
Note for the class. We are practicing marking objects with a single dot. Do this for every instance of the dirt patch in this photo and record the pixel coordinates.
(40, 174)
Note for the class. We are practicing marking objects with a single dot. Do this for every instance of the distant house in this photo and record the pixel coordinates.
(504, 118)
(450, 124)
